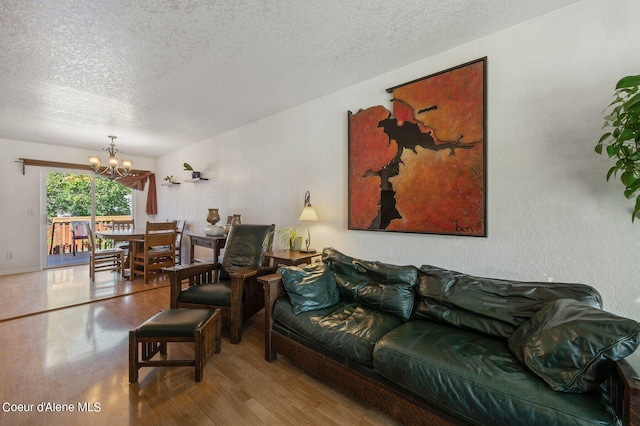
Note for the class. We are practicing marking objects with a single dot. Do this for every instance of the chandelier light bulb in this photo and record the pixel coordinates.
(112, 171)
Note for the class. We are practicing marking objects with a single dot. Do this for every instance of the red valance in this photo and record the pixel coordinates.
(138, 182)
(134, 182)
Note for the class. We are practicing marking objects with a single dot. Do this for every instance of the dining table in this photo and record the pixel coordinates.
(123, 235)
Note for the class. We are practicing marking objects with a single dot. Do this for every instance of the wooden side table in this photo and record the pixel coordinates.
(290, 257)
(214, 243)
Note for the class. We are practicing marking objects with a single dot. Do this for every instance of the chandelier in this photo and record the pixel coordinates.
(112, 171)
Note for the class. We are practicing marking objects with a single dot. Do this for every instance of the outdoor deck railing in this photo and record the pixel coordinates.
(60, 237)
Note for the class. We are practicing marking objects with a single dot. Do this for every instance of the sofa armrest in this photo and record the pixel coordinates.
(273, 290)
(196, 273)
(626, 395)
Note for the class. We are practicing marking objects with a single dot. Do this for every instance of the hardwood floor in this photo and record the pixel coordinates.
(77, 356)
(51, 289)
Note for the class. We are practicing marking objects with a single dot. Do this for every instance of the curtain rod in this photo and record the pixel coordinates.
(44, 163)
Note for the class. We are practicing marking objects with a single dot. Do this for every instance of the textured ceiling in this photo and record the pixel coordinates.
(161, 74)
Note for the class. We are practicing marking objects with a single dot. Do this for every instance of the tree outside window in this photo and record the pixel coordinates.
(70, 195)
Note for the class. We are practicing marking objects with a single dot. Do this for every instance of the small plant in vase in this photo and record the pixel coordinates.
(622, 141)
(287, 238)
(169, 179)
(194, 174)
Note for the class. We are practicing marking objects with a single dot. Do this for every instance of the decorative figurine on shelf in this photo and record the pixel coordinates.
(212, 230)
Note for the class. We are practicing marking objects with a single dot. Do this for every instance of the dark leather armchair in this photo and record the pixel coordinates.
(230, 285)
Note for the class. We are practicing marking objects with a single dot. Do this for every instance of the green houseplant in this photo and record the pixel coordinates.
(286, 238)
(194, 174)
(622, 138)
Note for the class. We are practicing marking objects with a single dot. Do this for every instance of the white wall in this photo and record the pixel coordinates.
(551, 214)
(20, 233)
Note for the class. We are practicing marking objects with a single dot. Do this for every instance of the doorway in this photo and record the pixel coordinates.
(71, 198)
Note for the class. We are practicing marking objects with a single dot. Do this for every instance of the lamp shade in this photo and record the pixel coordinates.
(308, 213)
(95, 162)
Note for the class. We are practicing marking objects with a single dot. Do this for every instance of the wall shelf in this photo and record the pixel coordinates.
(169, 183)
(196, 180)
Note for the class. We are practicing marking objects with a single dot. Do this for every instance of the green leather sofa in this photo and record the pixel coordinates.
(432, 346)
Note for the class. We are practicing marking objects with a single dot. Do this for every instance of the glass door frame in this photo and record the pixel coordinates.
(44, 248)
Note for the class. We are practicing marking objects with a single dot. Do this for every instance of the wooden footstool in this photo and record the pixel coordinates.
(201, 326)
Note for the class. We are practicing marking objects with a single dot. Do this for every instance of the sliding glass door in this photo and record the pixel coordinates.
(72, 198)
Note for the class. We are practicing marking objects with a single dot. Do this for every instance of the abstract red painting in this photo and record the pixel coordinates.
(421, 168)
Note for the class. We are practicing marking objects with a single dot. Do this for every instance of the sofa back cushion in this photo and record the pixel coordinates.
(388, 288)
(492, 306)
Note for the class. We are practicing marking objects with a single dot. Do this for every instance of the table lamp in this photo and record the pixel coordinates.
(308, 214)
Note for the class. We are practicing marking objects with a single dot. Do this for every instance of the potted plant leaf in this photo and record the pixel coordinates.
(194, 174)
(622, 138)
(287, 238)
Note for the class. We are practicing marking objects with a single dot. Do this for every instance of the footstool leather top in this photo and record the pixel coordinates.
(181, 322)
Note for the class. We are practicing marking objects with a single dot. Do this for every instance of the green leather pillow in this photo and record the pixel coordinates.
(573, 346)
(382, 286)
(309, 287)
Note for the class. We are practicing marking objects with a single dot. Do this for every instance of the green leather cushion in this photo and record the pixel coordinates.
(309, 287)
(174, 323)
(572, 346)
(346, 328)
(214, 294)
(388, 288)
(476, 377)
(491, 306)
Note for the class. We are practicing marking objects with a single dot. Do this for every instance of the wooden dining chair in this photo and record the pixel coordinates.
(122, 225)
(156, 251)
(105, 259)
(179, 231)
(78, 234)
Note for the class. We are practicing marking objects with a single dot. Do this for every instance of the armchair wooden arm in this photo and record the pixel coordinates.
(239, 292)
(273, 290)
(250, 272)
